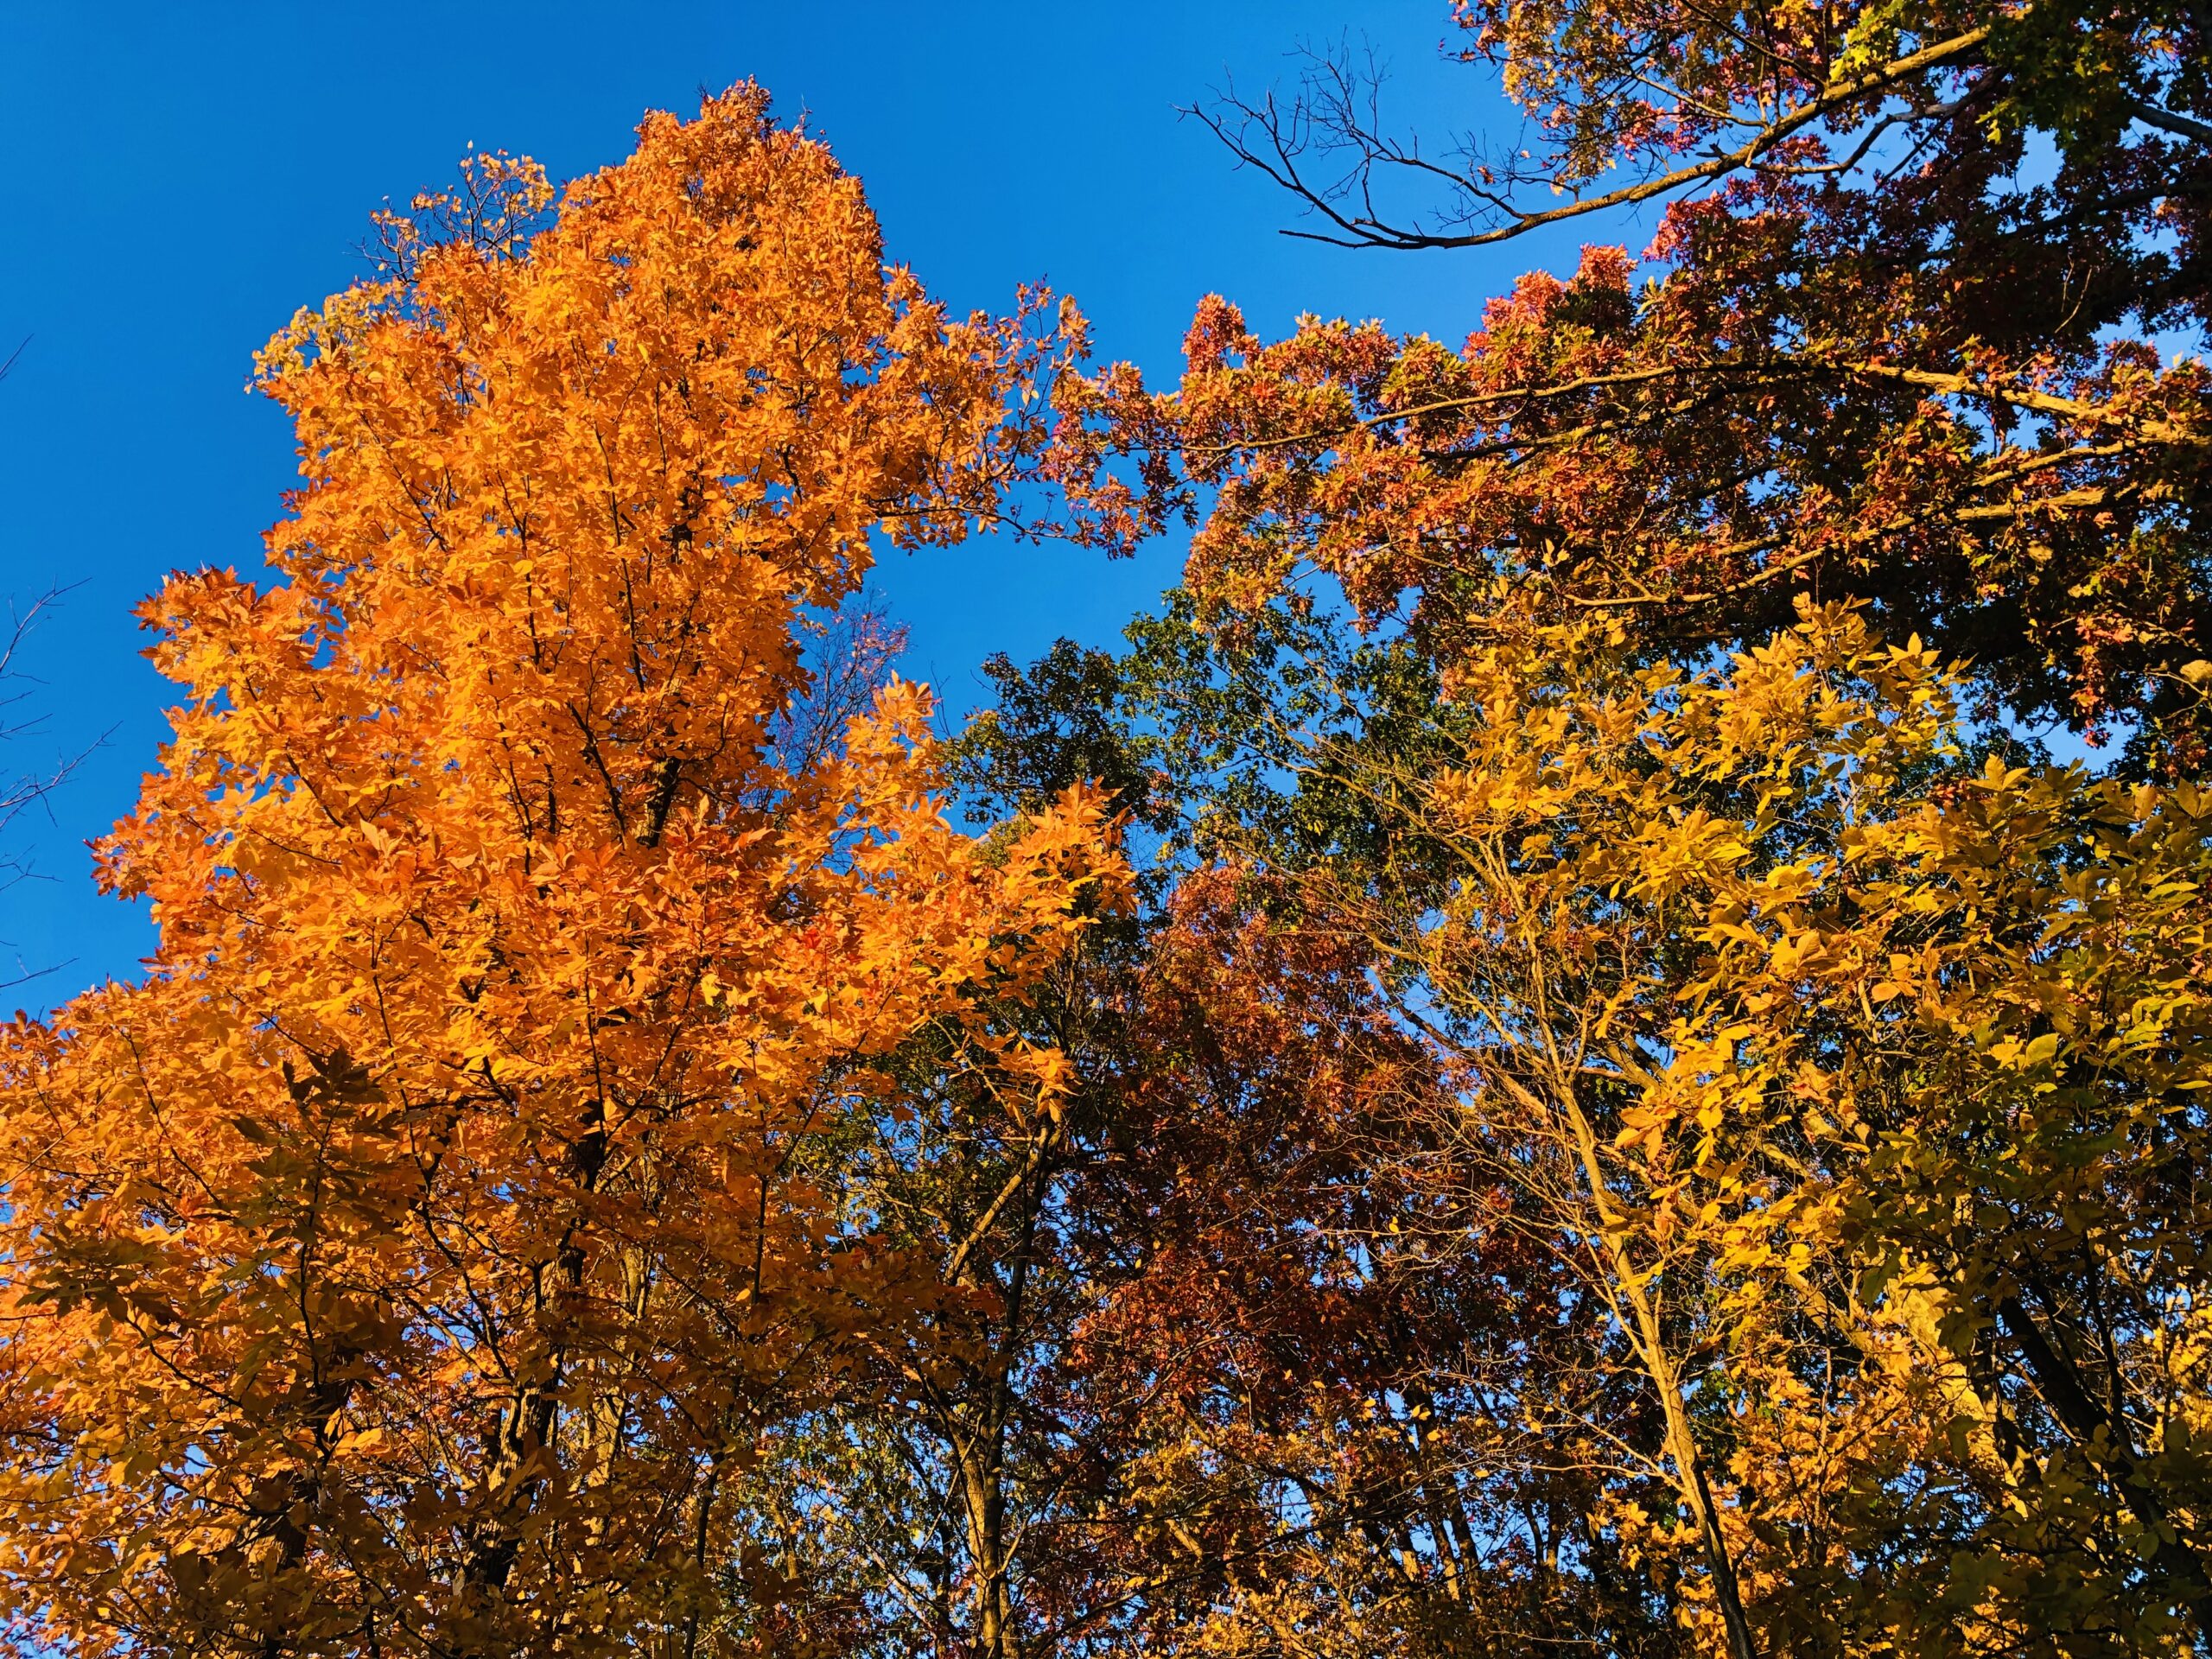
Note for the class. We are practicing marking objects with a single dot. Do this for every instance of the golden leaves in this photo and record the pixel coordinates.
(441, 1197)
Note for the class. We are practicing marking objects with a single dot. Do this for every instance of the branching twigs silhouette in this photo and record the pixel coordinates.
(24, 790)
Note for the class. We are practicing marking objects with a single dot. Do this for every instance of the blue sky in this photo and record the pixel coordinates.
(183, 178)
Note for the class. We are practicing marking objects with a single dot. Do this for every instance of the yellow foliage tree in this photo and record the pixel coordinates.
(1844, 1081)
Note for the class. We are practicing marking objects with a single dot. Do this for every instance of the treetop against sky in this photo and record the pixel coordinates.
(1593, 1035)
(240, 191)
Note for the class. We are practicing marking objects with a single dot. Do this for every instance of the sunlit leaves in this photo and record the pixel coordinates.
(408, 1262)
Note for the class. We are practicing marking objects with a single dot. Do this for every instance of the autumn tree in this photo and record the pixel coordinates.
(1684, 790)
(1631, 1107)
(1915, 325)
(1737, 982)
(417, 1257)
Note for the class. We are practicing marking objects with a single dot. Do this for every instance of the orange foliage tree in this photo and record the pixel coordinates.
(412, 1261)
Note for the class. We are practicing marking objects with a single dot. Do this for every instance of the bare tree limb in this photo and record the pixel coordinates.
(1288, 135)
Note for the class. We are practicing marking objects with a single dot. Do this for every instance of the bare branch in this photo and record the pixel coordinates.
(1326, 119)
(24, 791)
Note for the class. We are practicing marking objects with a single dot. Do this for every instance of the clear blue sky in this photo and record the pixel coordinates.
(181, 179)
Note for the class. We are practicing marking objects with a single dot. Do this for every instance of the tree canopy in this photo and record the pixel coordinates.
(1596, 1038)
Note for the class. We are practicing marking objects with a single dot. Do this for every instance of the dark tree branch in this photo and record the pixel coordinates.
(1288, 136)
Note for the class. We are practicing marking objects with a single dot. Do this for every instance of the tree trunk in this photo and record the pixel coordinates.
(1659, 1366)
